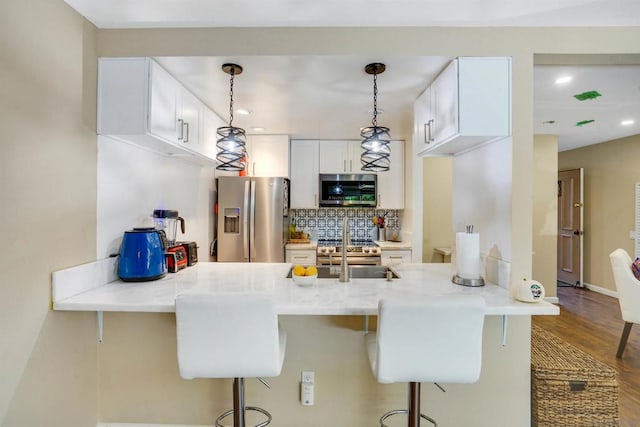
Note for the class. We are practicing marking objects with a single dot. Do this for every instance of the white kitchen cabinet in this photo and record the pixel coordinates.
(300, 256)
(141, 103)
(468, 104)
(268, 155)
(191, 112)
(395, 256)
(164, 96)
(340, 157)
(391, 182)
(305, 156)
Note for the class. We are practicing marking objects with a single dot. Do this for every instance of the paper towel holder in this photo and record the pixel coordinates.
(473, 283)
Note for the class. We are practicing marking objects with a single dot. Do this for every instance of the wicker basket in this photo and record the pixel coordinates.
(569, 387)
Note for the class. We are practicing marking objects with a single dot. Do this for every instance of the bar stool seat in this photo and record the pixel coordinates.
(229, 336)
(426, 339)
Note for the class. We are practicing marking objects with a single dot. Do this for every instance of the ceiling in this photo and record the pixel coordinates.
(371, 13)
(558, 112)
(331, 97)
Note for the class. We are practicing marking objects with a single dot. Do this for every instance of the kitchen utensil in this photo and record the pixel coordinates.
(141, 256)
(167, 220)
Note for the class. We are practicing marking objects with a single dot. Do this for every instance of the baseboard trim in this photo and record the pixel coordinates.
(601, 290)
(149, 425)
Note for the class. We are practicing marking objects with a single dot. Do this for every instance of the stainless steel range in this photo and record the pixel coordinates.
(359, 252)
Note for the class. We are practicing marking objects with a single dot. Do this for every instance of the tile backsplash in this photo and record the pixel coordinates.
(326, 223)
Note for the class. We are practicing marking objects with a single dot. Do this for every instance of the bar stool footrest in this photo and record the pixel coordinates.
(403, 411)
(247, 408)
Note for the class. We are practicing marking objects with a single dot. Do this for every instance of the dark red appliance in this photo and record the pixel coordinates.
(176, 258)
(191, 249)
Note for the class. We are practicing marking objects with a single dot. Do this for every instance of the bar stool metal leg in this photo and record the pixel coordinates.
(413, 412)
(414, 404)
(239, 408)
(238, 402)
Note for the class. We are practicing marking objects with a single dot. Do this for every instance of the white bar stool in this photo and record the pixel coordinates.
(229, 336)
(426, 339)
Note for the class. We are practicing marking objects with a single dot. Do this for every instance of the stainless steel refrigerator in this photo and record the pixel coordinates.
(252, 218)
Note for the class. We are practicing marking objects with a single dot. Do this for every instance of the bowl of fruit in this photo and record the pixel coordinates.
(304, 276)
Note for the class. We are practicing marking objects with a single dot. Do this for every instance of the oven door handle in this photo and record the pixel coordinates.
(335, 260)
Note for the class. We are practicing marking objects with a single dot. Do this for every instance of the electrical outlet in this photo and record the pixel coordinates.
(307, 394)
(308, 377)
(307, 386)
(632, 235)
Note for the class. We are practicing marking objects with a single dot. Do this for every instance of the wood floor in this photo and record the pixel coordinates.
(592, 322)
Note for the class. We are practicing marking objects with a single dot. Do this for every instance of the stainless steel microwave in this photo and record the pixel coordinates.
(348, 190)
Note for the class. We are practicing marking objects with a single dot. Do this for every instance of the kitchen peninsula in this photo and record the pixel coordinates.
(329, 311)
(326, 297)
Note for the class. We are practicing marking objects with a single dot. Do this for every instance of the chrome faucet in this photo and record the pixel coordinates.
(344, 267)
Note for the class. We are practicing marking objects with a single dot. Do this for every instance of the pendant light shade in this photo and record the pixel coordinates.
(375, 146)
(231, 144)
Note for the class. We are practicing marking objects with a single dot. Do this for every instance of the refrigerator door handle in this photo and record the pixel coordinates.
(252, 219)
(245, 222)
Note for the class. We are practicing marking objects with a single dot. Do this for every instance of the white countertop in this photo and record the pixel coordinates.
(302, 246)
(326, 297)
(389, 245)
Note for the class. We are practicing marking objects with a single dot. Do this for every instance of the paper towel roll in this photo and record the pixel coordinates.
(468, 255)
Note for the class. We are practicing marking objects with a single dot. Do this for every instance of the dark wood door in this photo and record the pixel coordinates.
(570, 232)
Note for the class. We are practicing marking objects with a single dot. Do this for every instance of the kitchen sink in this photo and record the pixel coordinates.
(355, 272)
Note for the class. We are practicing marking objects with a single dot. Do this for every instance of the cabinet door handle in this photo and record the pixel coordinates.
(432, 131)
(426, 133)
(315, 200)
(186, 138)
(181, 126)
(350, 165)
(431, 124)
(379, 203)
(301, 257)
(253, 169)
(344, 165)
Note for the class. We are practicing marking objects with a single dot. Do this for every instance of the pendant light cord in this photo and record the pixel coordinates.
(232, 73)
(374, 120)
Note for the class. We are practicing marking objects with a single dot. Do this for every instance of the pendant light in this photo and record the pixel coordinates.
(232, 150)
(375, 139)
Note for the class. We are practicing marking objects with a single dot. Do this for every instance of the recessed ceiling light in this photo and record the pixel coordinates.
(627, 122)
(257, 129)
(242, 111)
(563, 80)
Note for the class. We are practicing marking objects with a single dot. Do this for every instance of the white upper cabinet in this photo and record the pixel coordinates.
(391, 182)
(164, 96)
(304, 174)
(268, 155)
(468, 104)
(192, 111)
(140, 102)
(340, 157)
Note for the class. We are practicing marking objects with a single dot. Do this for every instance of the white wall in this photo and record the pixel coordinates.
(482, 198)
(132, 182)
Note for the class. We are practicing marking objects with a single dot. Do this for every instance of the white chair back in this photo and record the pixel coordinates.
(627, 285)
(228, 336)
(429, 339)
